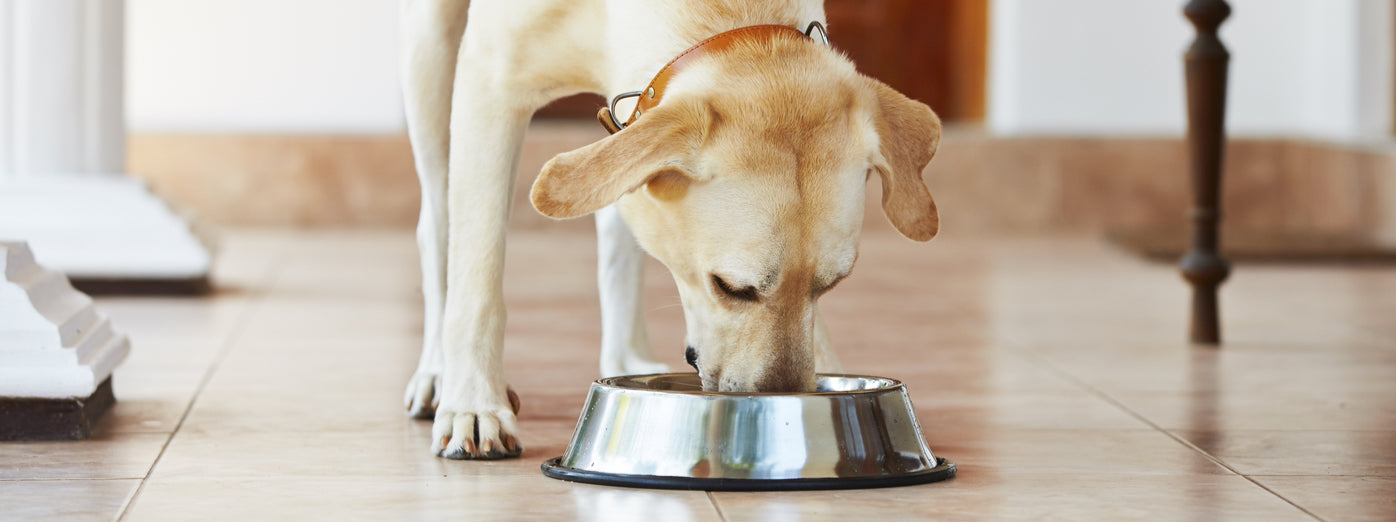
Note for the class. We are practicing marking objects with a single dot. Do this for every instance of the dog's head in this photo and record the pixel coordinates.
(748, 183)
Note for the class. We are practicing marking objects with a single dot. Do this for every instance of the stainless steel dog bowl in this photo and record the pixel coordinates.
(663, 431)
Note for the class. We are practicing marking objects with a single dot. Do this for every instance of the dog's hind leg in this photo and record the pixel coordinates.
(431, 32)
(625, 345)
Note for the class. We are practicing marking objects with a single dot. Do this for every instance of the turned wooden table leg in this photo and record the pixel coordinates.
(1206, 62)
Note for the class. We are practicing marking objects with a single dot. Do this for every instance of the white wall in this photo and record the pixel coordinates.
(263, 66)
(1316, 68)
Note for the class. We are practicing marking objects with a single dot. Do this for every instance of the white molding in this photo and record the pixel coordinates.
(101, 227)
(1376, 80)
(53, 341)
(63, 84)
(7, 95)
(104, 85)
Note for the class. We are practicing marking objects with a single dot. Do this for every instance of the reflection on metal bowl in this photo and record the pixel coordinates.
(663, 431)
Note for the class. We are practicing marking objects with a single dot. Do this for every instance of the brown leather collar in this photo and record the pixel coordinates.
(654, 92)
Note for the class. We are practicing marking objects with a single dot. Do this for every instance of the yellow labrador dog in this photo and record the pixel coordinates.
(745, 176)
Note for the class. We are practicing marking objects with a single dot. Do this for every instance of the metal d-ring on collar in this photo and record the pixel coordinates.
(823, 38)
(632, 94)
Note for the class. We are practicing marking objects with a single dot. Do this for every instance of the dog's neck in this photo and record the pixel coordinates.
(644, 35)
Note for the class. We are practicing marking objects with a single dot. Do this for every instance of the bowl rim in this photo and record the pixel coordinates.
(893, 384)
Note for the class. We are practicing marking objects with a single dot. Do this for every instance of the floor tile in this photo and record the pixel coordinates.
(152, 360)
(1016, 451)
(107, 456)
(319, 385)
(146, 404)
(245, 258)
(156, 384)
(402, 453)
(168, 320)
(1025, 410)
(381, 264)
(1339, 498)
(1274, 410)
(330, 386)
(1301, 453)
(1040, 365)
(447, 497)
(958, 371)
(304, 318)
(1236, 368)
(65, 500)
(985, 494)
(1274, 303)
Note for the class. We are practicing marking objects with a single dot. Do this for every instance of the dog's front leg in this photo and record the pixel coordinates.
(625, 345)
(475, 419)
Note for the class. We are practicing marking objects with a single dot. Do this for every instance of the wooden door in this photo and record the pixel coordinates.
(930, 50)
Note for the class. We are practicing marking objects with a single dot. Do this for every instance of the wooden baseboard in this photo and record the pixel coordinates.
(1168, 245)
(321, 180)
(982, 183)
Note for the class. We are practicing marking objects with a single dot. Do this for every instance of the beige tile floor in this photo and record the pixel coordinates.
(1051, 369)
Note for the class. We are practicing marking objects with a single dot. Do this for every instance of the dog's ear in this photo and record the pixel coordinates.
(908, 134)
(580, 182)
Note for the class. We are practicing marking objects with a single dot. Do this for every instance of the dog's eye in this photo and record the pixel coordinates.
(743, 294)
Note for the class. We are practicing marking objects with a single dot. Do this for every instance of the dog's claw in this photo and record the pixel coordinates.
(514, 402)
(483, 434)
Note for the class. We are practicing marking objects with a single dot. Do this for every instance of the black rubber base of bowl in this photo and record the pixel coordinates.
(551, 468)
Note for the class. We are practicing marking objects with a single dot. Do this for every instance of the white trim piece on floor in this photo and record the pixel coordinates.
(100, 226)
(53, 341)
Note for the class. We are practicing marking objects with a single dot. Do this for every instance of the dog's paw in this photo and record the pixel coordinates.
(491, 432)
(420, 398)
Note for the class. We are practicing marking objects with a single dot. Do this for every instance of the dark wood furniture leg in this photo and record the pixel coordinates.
(1206, 62)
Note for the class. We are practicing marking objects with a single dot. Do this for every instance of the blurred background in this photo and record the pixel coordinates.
(1066, 115)
(1050, 365)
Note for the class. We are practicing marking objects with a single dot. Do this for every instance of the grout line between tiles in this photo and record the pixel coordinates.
(713, 499)
(233, 336)
(131, 498)
(1111, 400)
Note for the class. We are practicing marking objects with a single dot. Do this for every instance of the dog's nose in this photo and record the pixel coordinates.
(691, 355)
